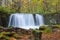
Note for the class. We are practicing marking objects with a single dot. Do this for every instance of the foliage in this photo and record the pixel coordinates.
(1, 8)
(6, 10)
(48, 30)
(33, 6)
(41, 6)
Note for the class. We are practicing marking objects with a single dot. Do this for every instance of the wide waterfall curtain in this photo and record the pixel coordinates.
(25, 20)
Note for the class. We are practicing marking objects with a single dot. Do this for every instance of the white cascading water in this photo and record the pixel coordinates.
(39, 20)
(25, 21)
(29, 20)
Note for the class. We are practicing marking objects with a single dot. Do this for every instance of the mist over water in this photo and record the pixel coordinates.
(25, 21)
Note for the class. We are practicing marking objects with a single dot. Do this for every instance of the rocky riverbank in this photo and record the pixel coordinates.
(14, 34)
(23, 34)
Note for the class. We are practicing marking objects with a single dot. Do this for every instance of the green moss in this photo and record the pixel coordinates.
(44, 29)
(47, 30)
(57, 26)
(1, 26)
(5, 35)
(10, 27)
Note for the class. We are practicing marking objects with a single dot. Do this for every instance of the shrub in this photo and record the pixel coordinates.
(6, 10)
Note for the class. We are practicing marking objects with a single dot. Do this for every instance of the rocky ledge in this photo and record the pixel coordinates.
(14, 34)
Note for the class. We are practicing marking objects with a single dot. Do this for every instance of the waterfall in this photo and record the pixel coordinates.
(39, 20)
(25, 21)
(29, 20)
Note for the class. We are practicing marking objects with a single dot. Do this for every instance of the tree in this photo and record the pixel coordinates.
(34, 6)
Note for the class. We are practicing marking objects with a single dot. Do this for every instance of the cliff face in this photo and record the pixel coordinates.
(4, 17)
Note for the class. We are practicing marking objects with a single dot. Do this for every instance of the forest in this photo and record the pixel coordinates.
(30, 6)
(44, 7)
(49, 9)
